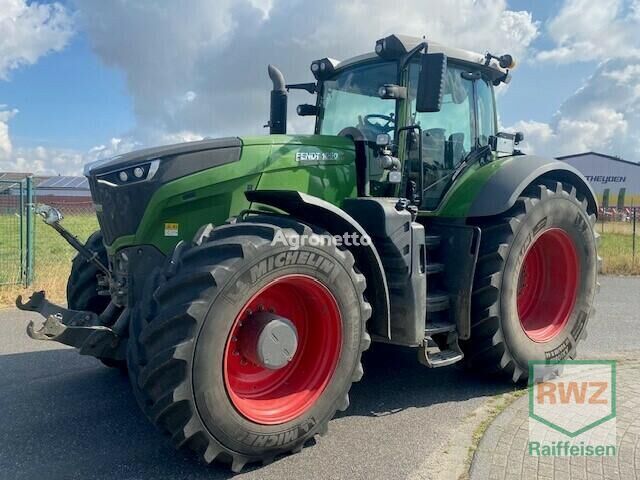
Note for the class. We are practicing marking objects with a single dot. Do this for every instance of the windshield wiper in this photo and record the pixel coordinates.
(472, 157)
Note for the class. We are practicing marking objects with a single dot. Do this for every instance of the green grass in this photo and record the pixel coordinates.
(616, 248)
(53, 255)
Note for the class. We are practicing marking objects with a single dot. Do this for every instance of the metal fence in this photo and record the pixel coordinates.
(16, 231)
(619, 228)
(52, 254)
(31, 251)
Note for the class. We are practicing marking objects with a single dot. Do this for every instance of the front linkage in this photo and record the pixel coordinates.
(92, 334)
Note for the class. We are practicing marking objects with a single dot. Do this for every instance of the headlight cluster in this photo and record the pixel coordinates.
(132, 174)
(323, 68)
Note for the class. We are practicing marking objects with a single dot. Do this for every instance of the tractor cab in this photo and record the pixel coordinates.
(428, 106)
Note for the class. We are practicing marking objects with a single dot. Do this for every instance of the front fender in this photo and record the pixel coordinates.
(336, 221)
(501, 190)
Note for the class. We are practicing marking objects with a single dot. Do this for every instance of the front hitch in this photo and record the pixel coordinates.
(83, 330)
(52, 217)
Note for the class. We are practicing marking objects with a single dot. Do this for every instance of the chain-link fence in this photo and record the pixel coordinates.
(15, 230)
(52, 254)
(32, 254)
(619, 230)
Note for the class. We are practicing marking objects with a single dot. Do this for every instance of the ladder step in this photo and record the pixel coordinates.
(433, 268)
(444, 358)
(437, 301)
(432, 241)
(432, 356)
(433, 328)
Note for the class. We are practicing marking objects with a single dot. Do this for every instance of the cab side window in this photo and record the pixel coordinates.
(448, 134)
(486, 111)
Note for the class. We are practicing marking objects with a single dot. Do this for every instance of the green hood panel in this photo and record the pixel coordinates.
(319, 165)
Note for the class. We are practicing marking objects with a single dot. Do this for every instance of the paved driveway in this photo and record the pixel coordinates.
(66, 416)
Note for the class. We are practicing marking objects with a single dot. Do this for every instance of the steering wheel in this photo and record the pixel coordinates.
(386, 128)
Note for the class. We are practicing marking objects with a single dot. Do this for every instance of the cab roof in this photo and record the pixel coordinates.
(452, 53)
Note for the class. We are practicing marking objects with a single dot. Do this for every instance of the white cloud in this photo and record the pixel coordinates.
(52, 161)
(6, 146)
(603, 115)
(29, 31)
(586, 30)
(202, 69)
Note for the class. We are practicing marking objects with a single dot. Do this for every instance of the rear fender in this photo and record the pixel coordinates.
(502, 189)
(336, 221)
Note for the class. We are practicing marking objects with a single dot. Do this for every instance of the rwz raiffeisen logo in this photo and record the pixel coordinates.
(572, 408)
(314, 157)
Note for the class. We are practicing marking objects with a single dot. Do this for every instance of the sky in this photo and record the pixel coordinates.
(82, 80)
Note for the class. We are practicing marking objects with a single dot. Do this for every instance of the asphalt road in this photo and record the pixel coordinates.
(66, 416)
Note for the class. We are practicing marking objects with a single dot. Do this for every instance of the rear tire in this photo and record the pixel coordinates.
(535, 282)
(182, 358)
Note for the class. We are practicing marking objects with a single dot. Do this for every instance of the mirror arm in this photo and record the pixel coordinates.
(308, 87)
(411, 53)
(417, 200)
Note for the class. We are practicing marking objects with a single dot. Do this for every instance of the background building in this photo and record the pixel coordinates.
(615, 181)
(65, 193)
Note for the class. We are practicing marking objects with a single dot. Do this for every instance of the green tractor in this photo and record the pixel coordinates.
(239, 280)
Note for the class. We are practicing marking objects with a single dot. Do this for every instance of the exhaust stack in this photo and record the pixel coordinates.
(278, 115)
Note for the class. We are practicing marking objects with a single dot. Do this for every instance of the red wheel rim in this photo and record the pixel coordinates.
(548, 285)
(272, 397)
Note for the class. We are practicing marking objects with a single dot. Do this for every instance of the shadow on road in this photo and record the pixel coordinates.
(64, 416)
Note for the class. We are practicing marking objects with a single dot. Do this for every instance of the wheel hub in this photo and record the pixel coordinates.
(282, 349)
(268, 340)
(548, 285)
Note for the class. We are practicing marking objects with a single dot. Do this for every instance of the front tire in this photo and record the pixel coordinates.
(535, 282)
(82, 287)
(189, 363)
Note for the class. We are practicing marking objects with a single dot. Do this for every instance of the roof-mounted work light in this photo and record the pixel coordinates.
(323, 68)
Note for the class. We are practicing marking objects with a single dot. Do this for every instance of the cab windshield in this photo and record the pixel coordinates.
(350, 100)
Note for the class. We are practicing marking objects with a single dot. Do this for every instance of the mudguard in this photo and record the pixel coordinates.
(316, 211)
(503, 188)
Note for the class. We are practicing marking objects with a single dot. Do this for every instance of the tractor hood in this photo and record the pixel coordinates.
(123, 186)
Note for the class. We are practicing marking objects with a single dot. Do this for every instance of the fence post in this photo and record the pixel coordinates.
(23, 273)
(30, 246)
(633, 261)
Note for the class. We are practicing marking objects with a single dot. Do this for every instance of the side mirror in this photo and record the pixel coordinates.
(307, 110)
(518, 138)
(431, 82)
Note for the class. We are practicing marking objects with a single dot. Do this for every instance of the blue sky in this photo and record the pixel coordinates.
(69, 99)
(95, 78)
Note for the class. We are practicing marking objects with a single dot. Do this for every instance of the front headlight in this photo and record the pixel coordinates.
(140, 172)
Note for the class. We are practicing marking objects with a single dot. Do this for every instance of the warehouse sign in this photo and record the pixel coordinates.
(605, 180)
(615, 181)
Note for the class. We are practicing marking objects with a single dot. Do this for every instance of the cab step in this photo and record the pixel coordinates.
(437, 301)
(433, 268)
(431, 355)
(434, 328)
(432, 241)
